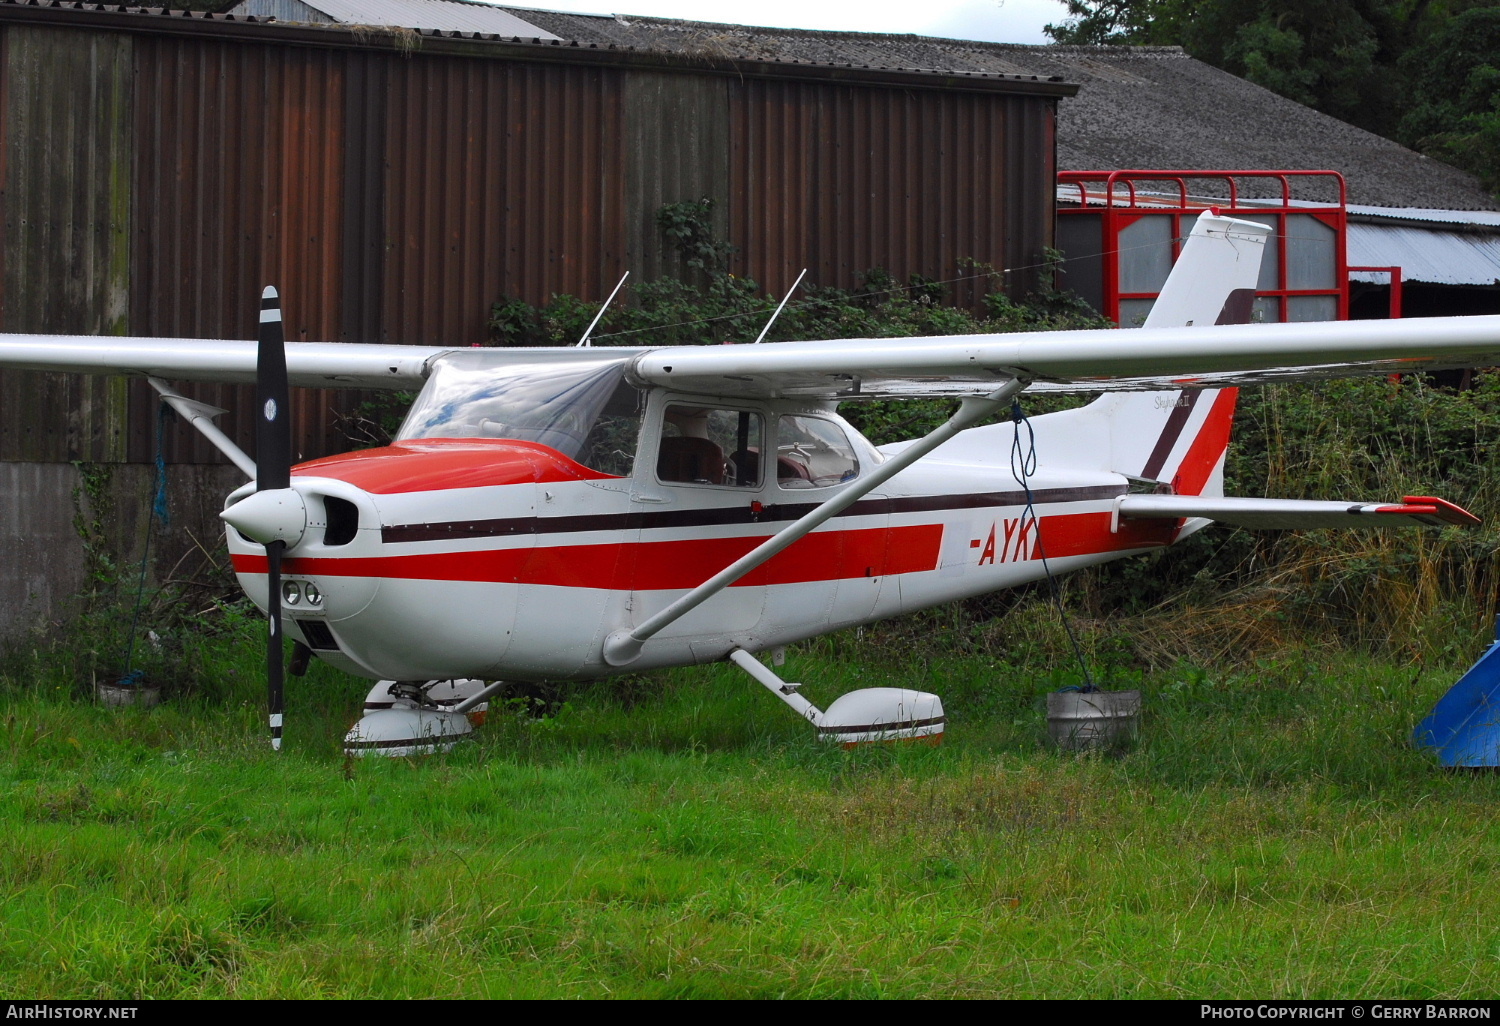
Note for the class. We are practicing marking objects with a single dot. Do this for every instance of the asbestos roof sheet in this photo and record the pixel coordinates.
(1438, 257)
(436, 15)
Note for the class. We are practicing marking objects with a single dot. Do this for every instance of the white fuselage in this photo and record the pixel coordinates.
(498, 559)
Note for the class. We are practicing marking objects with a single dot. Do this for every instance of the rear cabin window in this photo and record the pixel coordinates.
(813, 453)
(700, 445)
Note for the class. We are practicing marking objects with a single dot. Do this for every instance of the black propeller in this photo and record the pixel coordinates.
(273, 470)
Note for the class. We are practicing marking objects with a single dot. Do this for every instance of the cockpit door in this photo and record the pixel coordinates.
(698, 503)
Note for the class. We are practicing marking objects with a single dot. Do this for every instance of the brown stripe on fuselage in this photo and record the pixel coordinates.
(714, 517)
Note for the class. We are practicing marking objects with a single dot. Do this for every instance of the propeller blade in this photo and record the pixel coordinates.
(273, 432)
(273, 463)
(274, 649)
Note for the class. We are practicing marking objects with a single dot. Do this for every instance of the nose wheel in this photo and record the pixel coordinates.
(405, 717)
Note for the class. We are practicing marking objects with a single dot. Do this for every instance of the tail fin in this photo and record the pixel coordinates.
(1178, 439)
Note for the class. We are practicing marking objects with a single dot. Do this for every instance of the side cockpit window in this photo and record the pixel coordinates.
(700, 445)
(813, 453)
(609, 447)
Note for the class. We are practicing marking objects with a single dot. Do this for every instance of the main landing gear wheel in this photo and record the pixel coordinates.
(860, 717)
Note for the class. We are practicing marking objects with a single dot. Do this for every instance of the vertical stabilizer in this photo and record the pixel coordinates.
(1178, 439)
(1166, 440)
(1213, 281)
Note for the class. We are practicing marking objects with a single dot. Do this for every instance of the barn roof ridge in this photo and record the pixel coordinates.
(320, 33)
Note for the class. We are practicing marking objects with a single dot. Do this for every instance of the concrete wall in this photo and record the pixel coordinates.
(45, 565)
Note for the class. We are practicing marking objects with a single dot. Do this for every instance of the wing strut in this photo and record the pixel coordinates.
(622, 647)
(201, 415)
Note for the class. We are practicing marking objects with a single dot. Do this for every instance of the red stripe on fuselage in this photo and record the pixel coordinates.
(437, 464)
(679, 564)
(1086, 534)
(645, 566)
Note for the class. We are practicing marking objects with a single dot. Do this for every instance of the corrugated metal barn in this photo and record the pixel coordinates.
(160, 167)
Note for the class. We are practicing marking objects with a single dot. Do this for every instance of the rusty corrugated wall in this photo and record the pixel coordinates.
(677, 135)
(158, 171)
(239, 169)
(502, 177)
(844, 179)
(65, 99)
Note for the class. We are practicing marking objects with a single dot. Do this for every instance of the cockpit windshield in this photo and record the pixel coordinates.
(578, 403)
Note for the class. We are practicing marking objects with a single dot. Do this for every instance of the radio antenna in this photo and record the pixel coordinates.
(592, 324)
(782, 306)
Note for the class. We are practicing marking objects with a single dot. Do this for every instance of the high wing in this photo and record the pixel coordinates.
(230, 362)
(1095, 360)
(1195, 337)
(1080, 361)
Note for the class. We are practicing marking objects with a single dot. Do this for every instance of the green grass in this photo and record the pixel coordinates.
(683, 835)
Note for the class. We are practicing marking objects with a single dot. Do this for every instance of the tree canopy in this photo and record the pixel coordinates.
(1425, 73)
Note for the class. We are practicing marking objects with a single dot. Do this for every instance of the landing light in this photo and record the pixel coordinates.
(290, 593)
(314, 596)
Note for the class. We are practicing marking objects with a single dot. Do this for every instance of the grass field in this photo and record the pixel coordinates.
(683, 835)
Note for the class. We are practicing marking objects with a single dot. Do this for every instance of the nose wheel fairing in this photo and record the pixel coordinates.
(403, 718)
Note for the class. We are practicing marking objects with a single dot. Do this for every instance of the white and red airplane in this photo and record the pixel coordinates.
(575, 513)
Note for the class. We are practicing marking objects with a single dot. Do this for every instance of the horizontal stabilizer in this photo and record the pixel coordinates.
(1293, 514)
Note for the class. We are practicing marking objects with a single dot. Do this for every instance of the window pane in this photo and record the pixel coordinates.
(812, 453)
(1133, 312)
(1267, 310)
(610, 444)
(1079, 238)
(1309, 254)
(704, 446)
(1269, 279)
(576, 403)
(1312, 308)
(1146, 254)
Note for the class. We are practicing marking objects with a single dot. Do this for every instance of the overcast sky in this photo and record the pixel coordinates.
(1002, 21)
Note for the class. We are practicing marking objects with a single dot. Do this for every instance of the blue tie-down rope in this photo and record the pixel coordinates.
(1022, 466)
(133, 677)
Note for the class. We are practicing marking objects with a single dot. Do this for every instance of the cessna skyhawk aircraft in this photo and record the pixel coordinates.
(574, 513)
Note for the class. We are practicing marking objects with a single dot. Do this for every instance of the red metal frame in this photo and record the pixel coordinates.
(1114, 196)
(1396, 286)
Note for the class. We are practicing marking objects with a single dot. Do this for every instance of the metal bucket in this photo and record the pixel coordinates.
(115, 696)
(1083, 720)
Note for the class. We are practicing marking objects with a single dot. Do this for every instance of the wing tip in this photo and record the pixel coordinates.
(1443, 510)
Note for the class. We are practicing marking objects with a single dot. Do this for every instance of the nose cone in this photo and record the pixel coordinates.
(276, 514)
